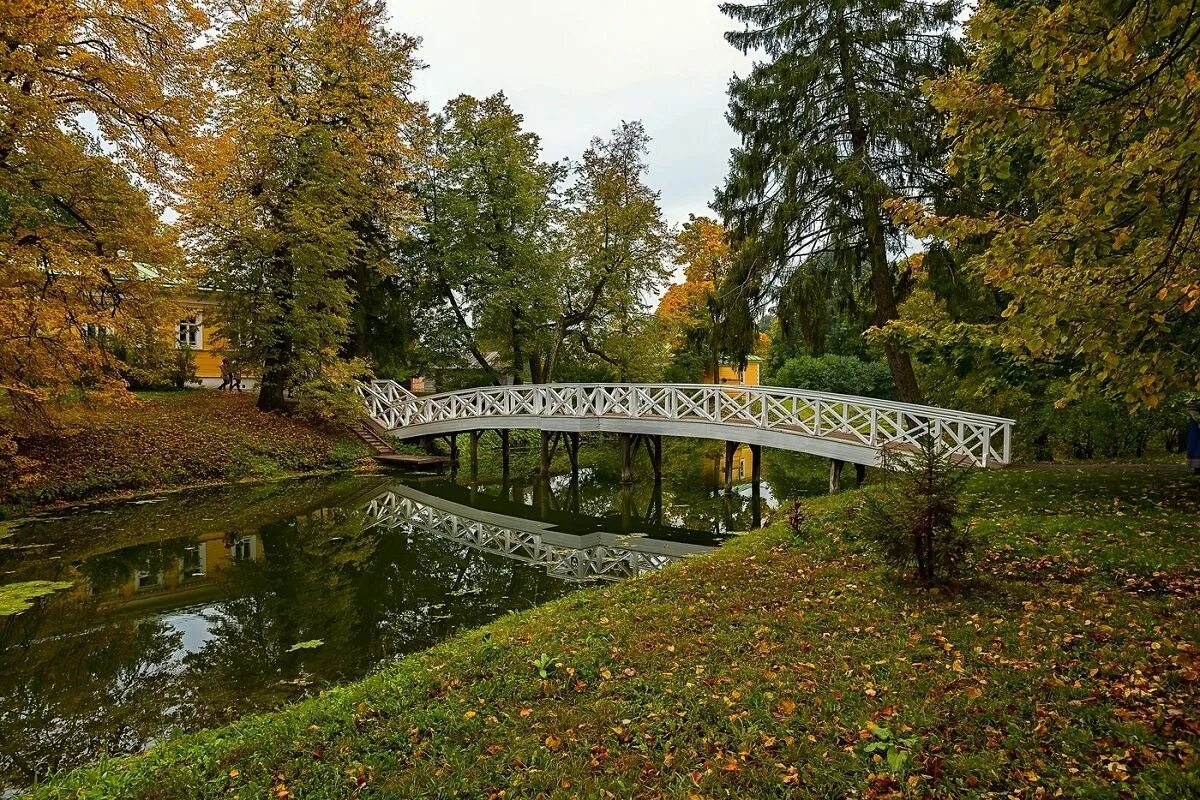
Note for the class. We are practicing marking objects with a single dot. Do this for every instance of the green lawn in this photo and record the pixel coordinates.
(782, 666)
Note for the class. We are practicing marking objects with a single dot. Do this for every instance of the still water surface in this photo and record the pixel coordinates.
(185, 609)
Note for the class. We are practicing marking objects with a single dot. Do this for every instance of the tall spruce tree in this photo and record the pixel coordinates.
(833, 124)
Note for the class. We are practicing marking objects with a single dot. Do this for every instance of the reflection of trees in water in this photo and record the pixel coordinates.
(89, 673)
(692, 485)
(73, 692)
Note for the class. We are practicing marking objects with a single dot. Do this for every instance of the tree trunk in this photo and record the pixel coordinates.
(277, 366)
(274, 380)
(883, 286)
(361, 347)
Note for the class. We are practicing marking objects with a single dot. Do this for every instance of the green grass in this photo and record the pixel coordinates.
(781, 666)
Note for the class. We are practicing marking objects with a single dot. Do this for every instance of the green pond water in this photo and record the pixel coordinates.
(191, 609)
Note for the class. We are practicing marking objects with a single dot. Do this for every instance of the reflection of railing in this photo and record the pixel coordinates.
(592, 556)
(791, 418)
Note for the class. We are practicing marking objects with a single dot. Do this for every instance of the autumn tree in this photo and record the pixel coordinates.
(620, 248)
(91, 95)
(300, 193)
(491, 208)
(690, 309)
(1075, 137)
(833, 124)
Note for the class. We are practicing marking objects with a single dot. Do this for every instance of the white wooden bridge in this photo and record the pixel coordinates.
(842, 428)
(587, 557)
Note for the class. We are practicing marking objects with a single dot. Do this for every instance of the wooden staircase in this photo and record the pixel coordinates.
(385, 453)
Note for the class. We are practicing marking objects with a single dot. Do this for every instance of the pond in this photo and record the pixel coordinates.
(191, 609)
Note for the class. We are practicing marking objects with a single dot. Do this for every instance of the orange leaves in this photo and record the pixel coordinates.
(77, 221)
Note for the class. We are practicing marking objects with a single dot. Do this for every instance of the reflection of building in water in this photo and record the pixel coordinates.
(714, 468)
(211, 553)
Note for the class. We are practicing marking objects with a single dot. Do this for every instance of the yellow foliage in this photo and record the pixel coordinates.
(75, 226)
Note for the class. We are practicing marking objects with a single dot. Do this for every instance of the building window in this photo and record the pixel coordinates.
(189, 332)
(147, 580)
(243, 549)
(191, 565)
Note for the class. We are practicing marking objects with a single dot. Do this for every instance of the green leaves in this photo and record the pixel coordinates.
(1075, 131)
(303, 192)
(311, 644)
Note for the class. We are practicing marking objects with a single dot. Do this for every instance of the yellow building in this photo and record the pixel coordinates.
(197, 330)
(730, 373)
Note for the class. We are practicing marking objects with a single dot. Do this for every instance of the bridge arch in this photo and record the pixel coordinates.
(839, 427)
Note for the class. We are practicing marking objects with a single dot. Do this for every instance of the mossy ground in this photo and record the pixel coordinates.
(782, 666)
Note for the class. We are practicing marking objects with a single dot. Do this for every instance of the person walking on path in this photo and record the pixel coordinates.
(1193, 437)
(226, 375)
(236, 379)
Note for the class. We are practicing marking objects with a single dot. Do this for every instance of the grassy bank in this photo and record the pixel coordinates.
(782, 666)
(167, 440)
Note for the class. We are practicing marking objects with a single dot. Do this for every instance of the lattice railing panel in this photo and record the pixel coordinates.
(975, 438)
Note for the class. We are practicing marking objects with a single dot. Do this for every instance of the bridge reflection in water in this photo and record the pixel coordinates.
(586, 552)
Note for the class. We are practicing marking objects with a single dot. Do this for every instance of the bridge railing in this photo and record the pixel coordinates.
(382, 395)
(980, 439)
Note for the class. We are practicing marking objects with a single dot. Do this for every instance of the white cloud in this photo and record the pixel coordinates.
(576, 69)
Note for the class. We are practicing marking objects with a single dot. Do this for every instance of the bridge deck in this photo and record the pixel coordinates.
(853, 429)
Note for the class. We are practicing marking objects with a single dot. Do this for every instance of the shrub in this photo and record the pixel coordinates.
(911, 515)
(329, 397)
(836, 374)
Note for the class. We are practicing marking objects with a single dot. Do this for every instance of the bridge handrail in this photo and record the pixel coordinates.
(904, 421)
(891, 405)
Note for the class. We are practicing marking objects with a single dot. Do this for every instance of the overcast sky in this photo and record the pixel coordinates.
(577, 68)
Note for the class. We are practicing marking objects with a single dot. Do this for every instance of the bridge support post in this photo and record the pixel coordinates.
(835, 475)
(544, 462)
(572, 444)
(452, 440)
(756, 506)
(755, 465)
(860, 474)
(626, 458)
(504, 452)
(654, 450)
(730, 452)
